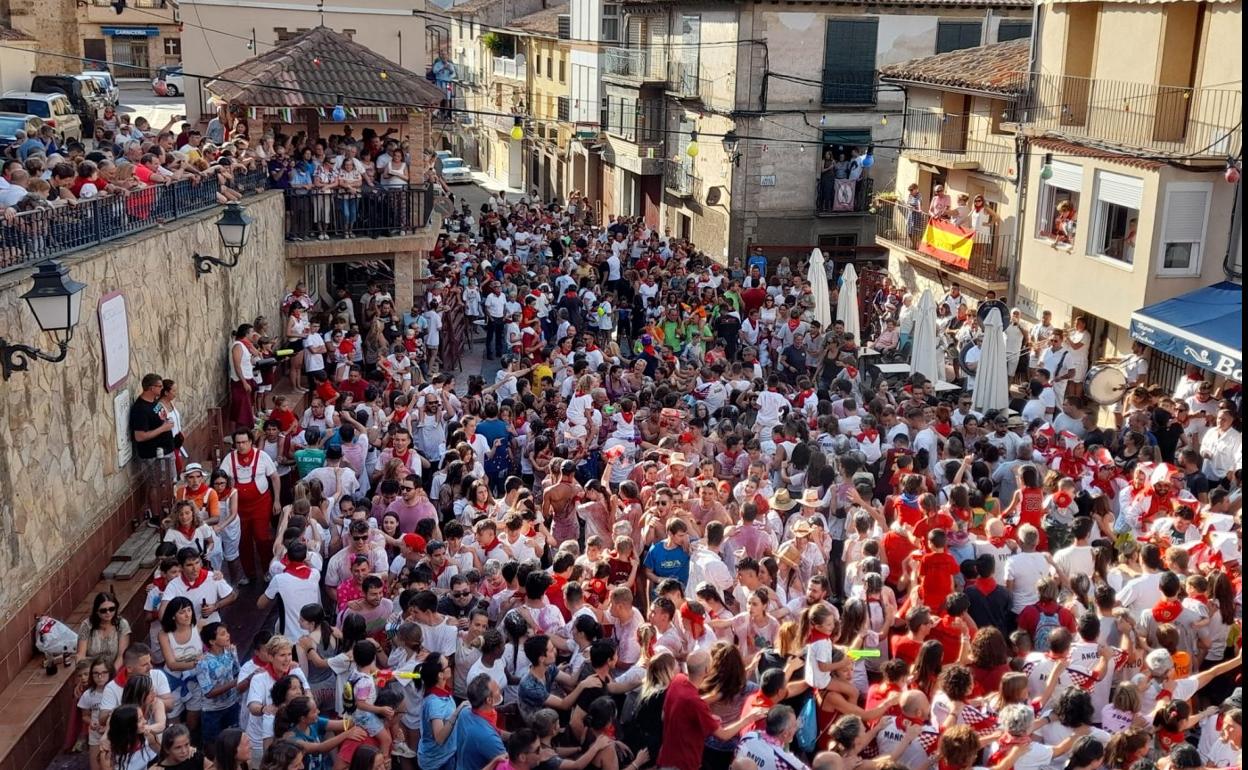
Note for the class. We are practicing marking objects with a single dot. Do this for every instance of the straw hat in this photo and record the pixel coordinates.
(801, 528)
(811, 498)
(790, 555)
(782, 501)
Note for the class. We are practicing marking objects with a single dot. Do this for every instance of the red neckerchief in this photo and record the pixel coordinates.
(869, 436)
(187, 532)
(490, 716)
(401, 457)
(794, 323)
(852, 372)
(697, 623)
(816, 635)
(160, 581)
(1007, 742)
(985, 585)
(199, 581)
(300, 570)
(246, 460)
(1167, 610)
(1202, 598)
(122, 676)
(441, 692)
(268, 667)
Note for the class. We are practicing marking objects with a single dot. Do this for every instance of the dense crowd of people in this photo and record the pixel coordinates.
(685, 525)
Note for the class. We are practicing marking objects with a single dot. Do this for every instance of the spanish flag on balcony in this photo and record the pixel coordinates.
(948, 242)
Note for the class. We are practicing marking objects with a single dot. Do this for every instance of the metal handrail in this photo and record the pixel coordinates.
(44, 231)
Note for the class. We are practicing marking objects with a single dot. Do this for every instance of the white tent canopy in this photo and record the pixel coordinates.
(992, 381)
(847, 303)
(817, 274)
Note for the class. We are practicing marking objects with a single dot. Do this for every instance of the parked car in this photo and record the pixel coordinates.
(55, 110)
(456, 171)
(83, 92)
(109, 86)
(12, 122)
(168, 81)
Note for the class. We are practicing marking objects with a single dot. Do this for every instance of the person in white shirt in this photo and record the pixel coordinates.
(1222, 448)
(766, 749)
(1057, 359)
(1078, 342)
(771, 404)
(1025, 569)
(1077, 558)
(298, 585)
(201, 586)
(137, 659)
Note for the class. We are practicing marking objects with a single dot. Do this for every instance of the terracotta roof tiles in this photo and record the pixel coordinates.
(995, 68)
(321, 68)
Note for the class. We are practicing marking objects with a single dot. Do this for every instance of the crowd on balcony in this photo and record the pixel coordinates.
(839, 174)
(347, 183)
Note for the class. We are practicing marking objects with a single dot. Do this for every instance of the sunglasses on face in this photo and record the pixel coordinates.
(460, 594)
(360, 538)
(111, 608)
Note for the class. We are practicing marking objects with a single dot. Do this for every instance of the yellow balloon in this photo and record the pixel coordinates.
(692, 150)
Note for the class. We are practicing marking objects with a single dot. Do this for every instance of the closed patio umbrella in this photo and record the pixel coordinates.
(817, 274)
(925, 355)
(992, 381)
(847, 303)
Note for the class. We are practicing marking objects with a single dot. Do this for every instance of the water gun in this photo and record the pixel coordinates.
(863, 654)
(386, 676)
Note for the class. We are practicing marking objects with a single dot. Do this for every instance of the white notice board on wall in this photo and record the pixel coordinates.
(121, 416)
(115, 340)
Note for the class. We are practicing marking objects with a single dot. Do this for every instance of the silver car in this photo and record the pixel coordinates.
(456, 171)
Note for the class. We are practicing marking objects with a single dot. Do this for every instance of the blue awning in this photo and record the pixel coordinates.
(1202, 327)
(131, 31)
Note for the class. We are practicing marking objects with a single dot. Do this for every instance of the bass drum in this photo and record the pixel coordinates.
(1105, 384)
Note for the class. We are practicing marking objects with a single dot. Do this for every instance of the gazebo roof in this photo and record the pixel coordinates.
(322, 68)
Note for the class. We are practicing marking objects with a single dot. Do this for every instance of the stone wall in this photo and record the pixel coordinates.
(59, 479)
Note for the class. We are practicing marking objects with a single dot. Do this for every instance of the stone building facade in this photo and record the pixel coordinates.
(62, 487)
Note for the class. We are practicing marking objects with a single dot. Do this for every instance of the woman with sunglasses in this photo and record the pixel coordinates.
(104, 632)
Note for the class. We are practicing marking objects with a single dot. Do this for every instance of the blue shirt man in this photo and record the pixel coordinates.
(669, 558)
(478, 741)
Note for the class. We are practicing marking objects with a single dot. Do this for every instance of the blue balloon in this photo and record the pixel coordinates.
(868, 161)
(340, 115)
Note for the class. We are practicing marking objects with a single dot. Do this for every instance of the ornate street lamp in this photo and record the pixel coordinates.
(55, 299)
(233, 227)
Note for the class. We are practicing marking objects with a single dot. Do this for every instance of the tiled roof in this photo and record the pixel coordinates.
(473, 7)
(994, 68)
(544, 22)
(1061, 147)
(12, 35)
(321, 68)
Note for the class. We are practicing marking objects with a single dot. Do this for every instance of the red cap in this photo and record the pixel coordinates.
(414, 541)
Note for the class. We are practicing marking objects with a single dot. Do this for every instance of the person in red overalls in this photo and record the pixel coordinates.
(259, 488)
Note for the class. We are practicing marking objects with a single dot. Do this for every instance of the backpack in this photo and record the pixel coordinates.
(1045, 626)
(807, 726)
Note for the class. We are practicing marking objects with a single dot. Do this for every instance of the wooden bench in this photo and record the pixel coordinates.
(35, 708)
(138, 553)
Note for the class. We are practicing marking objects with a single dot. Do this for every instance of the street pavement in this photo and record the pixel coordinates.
(138, 101)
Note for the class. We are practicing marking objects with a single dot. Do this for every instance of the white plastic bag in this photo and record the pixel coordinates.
(53, 638)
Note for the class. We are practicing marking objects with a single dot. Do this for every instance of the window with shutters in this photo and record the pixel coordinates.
(1013, 30)
(956, 35)
(1184, 221)
(849, 61)
(1116, 217)
(1059, 216)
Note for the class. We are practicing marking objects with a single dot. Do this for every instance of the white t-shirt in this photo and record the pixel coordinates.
(766, 755)
(818, 652)
(1075, 560)
(769, 405)
(1025, 569)
(296, 593)
(111, 698)
(497, 672)
(442, 638)
(210, 590)
(259, 691)
(313, 362)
